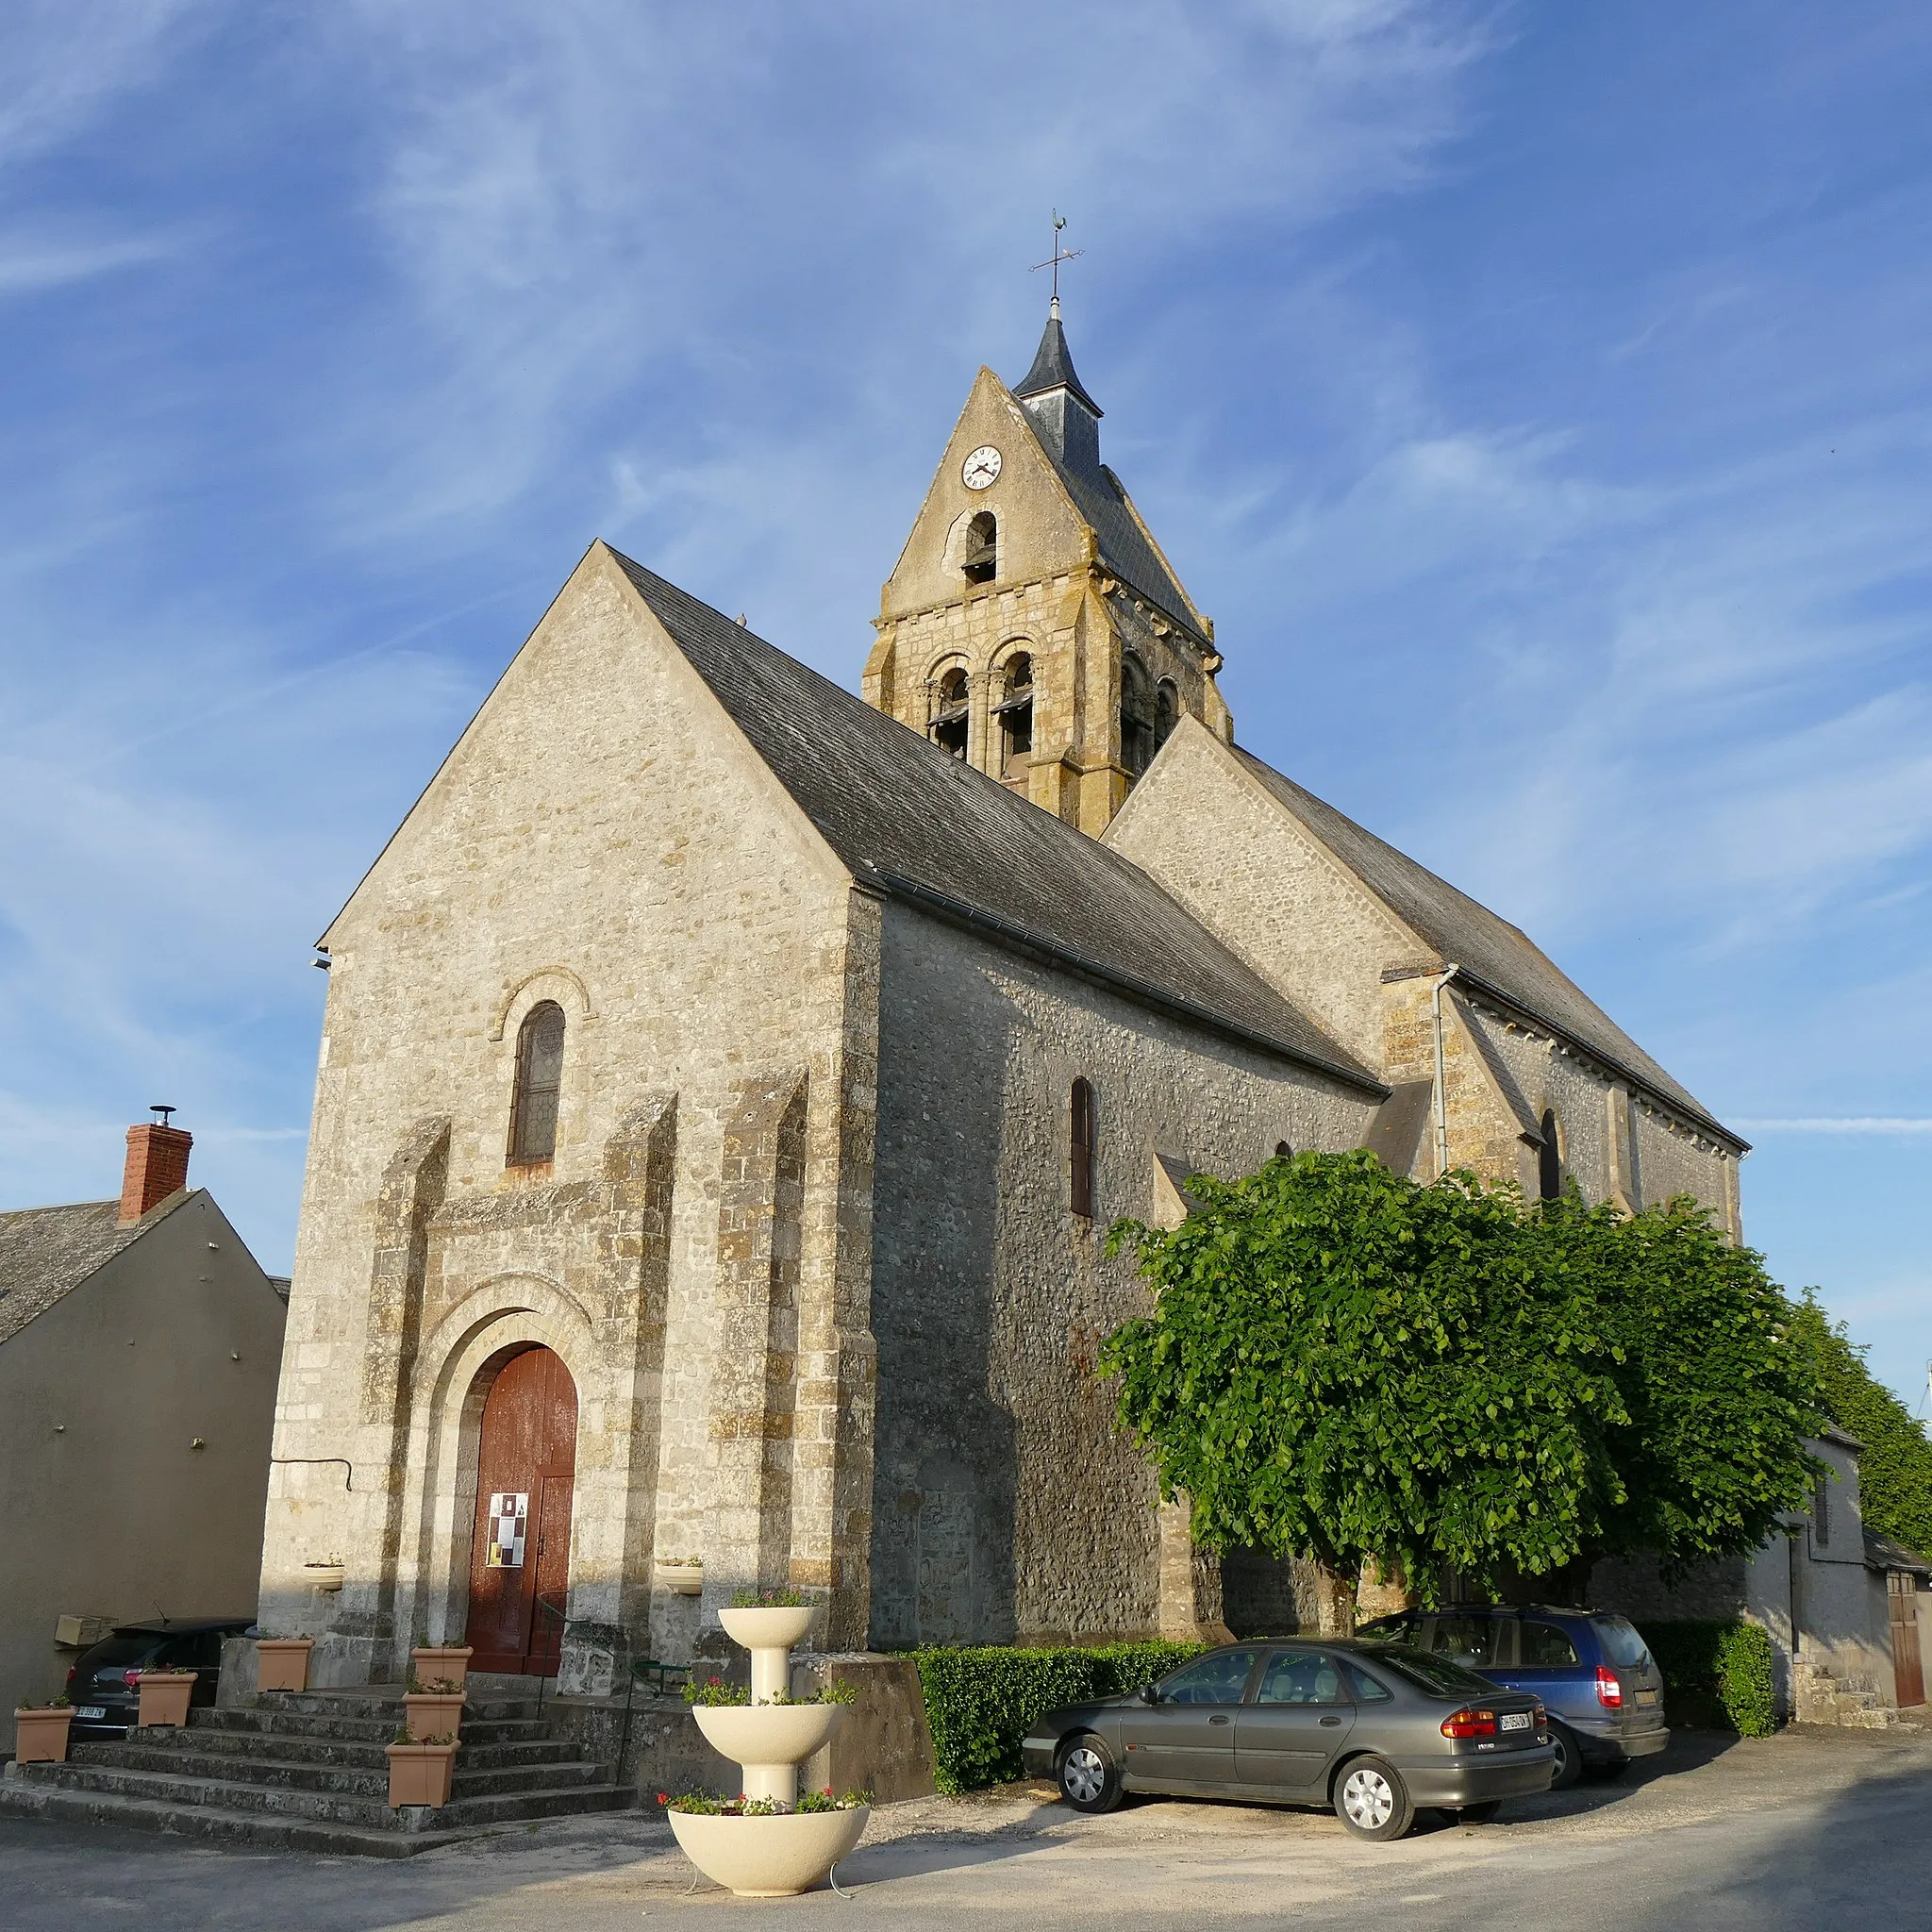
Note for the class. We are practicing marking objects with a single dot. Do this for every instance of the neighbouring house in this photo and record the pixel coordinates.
(139, 1344)
(1849, 1613)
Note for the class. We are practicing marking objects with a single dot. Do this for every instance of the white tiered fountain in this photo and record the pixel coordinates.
(770, 1855)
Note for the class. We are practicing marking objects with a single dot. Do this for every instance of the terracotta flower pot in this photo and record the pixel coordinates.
(450, 1662)
(433, 1714)
(40, 1737)
(164, 1696)
(769, 1857)
(283, 1662)
(420, 1774)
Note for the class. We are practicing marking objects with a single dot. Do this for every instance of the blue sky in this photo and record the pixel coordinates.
(1536, 398)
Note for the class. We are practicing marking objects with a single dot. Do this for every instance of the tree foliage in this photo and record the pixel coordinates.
(1896, 1462)
(1344, 1364)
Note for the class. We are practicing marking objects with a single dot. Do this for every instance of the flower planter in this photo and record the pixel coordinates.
(40, 1737)
(282, 1663)
(451, 1662)
(682, 1579)
(420, 1774)
(767, 1629)
(164, 1696)
(433, 1714)
(769, 1857)
(760, 1734)
(323, 1575)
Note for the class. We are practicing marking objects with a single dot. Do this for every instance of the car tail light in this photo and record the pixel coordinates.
(72, 1671)
(1609, 1692)
(1469, 1722)
(1542, 1719)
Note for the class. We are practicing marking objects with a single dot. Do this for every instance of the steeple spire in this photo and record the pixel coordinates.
(1053, 368)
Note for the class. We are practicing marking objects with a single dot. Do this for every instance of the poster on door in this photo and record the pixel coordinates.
(509, 1522)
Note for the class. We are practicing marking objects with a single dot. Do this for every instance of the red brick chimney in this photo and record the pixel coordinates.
(156, 1167)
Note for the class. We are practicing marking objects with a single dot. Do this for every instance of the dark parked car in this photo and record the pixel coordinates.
(1373, 1729)
(104, 1702)
(1594, 1673)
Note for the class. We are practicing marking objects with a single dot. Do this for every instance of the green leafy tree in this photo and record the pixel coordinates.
(1342, 1364)
(1895, 1460)
(1718, 1394)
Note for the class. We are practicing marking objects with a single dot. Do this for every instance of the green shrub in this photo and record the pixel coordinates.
(1728, 1662)
(980, 1701)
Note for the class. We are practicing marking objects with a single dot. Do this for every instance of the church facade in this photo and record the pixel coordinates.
(728, 1082)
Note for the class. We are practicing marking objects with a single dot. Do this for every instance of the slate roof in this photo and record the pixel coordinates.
(1494, 955)
(923, 826)
(1882, 1554)
(1053, 368)
(1126, 548)
(49, 1252)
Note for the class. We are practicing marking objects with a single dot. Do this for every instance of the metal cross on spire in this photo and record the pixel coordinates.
(1053, 260)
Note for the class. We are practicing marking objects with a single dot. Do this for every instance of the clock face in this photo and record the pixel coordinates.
(981, 469)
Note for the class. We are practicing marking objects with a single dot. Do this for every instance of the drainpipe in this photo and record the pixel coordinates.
(1448, 974)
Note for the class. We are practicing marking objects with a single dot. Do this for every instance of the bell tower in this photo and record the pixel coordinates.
(1033, 626)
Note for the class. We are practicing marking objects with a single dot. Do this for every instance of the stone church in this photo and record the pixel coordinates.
(727, 1084)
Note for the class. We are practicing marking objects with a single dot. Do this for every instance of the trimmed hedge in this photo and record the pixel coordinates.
(1728, 1662)
(979, 1702)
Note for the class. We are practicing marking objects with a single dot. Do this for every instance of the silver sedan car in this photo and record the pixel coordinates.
(1376, 1730)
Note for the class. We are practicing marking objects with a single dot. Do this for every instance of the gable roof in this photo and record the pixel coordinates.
(47, 1253)
(915, 822)
(1494, 955)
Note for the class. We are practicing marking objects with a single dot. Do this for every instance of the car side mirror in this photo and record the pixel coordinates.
(1149, 1694)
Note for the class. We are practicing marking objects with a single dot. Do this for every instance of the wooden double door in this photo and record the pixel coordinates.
(519, 1557)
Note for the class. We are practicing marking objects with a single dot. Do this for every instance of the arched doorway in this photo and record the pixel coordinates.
(520, 1559)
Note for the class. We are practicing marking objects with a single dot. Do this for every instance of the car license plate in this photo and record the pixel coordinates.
(1515, 1720)
(1646, 1697)
(92, 1713)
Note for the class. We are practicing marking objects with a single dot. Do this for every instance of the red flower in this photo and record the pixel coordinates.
(663, 1797)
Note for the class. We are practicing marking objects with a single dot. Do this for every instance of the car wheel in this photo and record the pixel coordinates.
(1479, 1814)
(1568, 1758)
(1089, 1778)
(1372, 1800)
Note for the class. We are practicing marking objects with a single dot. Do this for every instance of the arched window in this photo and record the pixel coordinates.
(1015, 714)
(1136, 717)
(951, 704)
(540, 1079)
(1080, 1142)
(1283, 1151)
(1167, 711)
(1550, 1159)
(983, 548)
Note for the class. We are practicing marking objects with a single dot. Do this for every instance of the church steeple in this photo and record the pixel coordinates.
(1066, 417)
(1032, 626)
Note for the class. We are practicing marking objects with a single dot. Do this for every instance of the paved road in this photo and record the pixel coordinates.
(1798, 1831)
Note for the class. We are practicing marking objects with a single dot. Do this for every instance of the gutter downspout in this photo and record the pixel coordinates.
(1448, 974)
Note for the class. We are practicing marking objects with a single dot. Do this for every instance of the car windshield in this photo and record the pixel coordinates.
(1620, 1639)
(1433, 1673)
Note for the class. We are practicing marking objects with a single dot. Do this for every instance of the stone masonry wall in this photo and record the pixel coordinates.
(600, 837)
(1008, 1504)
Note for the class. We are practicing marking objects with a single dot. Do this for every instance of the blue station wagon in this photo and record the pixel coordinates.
(1593, 1672)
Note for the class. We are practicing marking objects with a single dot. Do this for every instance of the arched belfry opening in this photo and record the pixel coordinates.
(1014, 713)
(982, 559)
(952, 709)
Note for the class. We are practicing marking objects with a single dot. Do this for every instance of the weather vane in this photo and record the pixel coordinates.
(1059, 256)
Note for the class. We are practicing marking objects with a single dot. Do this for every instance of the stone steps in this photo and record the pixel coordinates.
(310, 1771)
(1820, 1697)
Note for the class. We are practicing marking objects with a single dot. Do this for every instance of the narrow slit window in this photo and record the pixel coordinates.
(982, 548)
(952, 704)
(539, 1081)
(1080, 1137)
(1550, 1159)
(1015, 714)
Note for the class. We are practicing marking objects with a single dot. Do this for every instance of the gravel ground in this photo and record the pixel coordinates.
(1792, 1831)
